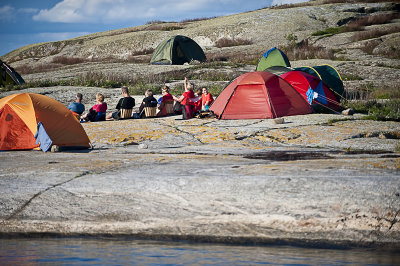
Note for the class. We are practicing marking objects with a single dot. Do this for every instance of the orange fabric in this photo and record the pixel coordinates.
(60, 124)
(14, 134)
(258, 95)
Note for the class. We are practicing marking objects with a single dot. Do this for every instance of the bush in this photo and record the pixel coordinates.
(227, 42)
(374, 33)
(381, 111)
(304, 50)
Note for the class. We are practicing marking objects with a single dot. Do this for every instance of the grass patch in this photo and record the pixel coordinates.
(329, 31)
(349, 77)
(331, 122)
(388, 110)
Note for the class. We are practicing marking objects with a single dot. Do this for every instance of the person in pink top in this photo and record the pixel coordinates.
(184, 100)
(98, 111)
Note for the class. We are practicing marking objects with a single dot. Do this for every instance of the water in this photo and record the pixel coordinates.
(82, 251)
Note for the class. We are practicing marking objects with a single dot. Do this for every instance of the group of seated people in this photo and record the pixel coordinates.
(187, 104)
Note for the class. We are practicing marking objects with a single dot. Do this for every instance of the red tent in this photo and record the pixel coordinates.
(256, 95)
(311, 88)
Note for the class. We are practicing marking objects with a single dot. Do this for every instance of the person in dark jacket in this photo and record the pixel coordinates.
(148, 101)
(126, 102)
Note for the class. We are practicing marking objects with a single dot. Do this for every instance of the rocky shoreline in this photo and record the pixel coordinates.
(314, 180)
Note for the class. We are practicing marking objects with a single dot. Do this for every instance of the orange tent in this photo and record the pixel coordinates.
(20, 114)
(259, 94)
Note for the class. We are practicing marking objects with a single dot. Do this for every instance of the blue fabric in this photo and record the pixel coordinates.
(269, 51)
(321, 94)
(78, 108)
(42, 138)
(101, 116)
(310, 95)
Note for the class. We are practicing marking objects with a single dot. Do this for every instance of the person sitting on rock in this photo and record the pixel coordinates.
(126, 102)
(184, 100)
(197, 101)
(206, 99)
(166, 98)
(148, 101)
(77, 107)
(98, 111)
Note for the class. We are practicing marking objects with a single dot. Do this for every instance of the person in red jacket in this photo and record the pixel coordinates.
(206, 100)
(184, 100)
(166, 98)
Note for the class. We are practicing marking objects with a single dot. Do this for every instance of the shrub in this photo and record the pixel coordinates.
(65, 60)
(305, 50)
(374, 33)
(360, 23)
(227, 42)
(197, 19)
(381, 111)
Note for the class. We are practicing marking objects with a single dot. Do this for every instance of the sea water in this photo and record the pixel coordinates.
(84, 251)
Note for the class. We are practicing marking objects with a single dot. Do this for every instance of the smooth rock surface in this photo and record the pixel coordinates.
(319, 179)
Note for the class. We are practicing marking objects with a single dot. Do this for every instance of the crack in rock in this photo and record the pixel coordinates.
(21, 208)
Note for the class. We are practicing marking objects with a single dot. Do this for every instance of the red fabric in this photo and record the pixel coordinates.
(206, 98)
(100, 108)
(187, 95)
(14, 134)
(302, 81)
(167, 97)
(197, 104)
(257, 95)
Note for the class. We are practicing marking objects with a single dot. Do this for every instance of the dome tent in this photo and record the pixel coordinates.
(311, 88)
(8, 75)
(258, 95)
(19, 117)
(272, 58)
(177, 50)
(329, 75)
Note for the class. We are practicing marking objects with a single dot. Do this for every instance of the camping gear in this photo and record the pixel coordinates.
(8, 75)
(273, 57)
(329, 75)
(20, 114)
(311, 89)
(257, 95)
(177, 50)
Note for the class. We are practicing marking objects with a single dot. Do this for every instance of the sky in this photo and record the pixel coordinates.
(24, 22)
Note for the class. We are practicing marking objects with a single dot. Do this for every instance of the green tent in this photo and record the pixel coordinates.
(273, 57)
(329, 75)
(177, 50)
(9, 76)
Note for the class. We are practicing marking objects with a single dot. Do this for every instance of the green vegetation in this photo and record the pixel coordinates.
(335, 120)
(329, 31)
(348, 77)
(388, 110)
